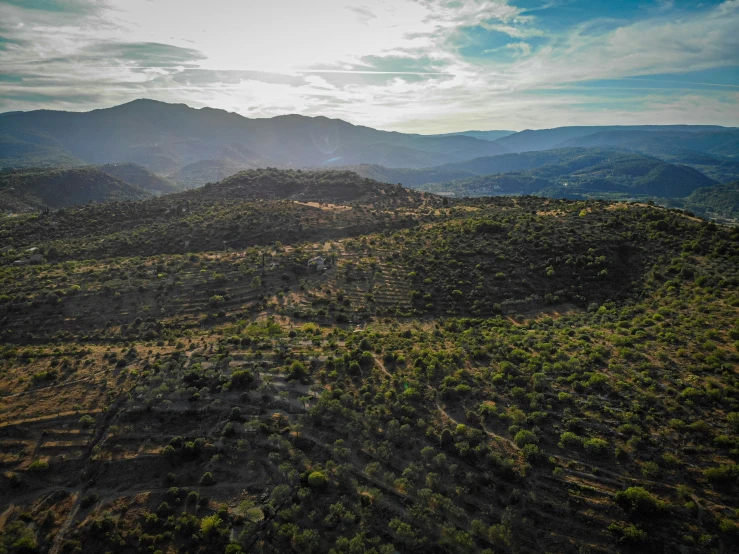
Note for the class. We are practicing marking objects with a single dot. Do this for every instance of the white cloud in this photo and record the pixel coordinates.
(403, 70)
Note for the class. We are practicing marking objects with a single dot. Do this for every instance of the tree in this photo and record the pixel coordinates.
(638, 500)
(317, 480)
(297, 370)
(207, 479)
(210, 525)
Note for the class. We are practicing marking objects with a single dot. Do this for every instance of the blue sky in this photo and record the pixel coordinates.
(410, 65)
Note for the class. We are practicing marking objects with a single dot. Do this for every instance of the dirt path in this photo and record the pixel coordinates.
(37, 419)
(446, 414)
(381, 365)
(56, 545)
(55, 385)
(490, 434)
(91, 468)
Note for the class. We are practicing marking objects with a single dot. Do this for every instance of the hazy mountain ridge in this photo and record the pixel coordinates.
(166, 137)
(558, 137)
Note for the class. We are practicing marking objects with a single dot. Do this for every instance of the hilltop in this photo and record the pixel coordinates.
(308, 186)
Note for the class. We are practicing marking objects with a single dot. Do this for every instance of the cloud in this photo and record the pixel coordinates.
(413, 65)
(653, 46)
(6, 43)
(149, 54)
(78, 7)
(364, 14)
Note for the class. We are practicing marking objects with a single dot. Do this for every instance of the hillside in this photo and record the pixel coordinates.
(485, 165)
(719, 202)
(579, 173)
(31, 149)
(207, 171)
(252, 207)
(511, 375)
(136, 175)
(35, 189)
(710, 152)
(164, 138)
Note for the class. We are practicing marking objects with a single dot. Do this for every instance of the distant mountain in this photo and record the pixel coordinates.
(31, 190)
(545, 139)
(485, 165)
(714, 153)
(135, 174)
(164, 138)
(716, 142)
(580, 172)
(483, 135)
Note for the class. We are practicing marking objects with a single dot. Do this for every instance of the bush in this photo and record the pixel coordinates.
(628, 533)
(638, 500)
(38, 466)
(524, 437)
(210, 525)
(596, 446)
(297, 370)
(317, 480)
(723, 475)
(733, 420)
(568, 438)
(241, 379)
(207, 479)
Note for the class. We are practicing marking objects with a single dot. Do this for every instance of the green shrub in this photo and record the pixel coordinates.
(568, 439)
(723, 475)
(638, 500)
(210, 525)
(317, 480)
(596, 446)
(628, 533)
(38, 466)
(525, 437)
(207, 479)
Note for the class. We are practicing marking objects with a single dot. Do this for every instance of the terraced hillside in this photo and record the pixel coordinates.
(513, 375)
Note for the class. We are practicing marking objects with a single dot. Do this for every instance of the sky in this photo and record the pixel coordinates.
(425, 66)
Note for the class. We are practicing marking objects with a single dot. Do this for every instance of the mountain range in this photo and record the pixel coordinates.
(194, 144)
(145, 147)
